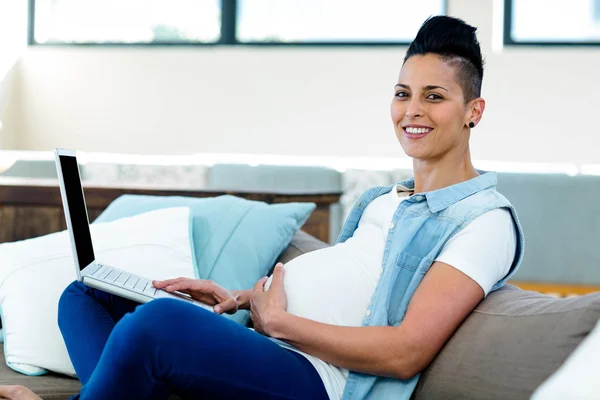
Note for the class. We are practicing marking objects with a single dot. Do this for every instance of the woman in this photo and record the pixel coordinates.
(357, 320)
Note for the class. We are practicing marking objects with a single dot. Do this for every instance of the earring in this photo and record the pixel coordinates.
(471, 124)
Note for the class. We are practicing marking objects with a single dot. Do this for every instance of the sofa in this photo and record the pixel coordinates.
(558, 229)
(505, 349)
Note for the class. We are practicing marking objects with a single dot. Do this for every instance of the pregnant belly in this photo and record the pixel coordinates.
(333, 285)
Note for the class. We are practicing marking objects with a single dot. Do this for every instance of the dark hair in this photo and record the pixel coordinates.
(455, 41)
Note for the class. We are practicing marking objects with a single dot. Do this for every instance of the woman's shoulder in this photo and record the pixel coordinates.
(489, 197)
(478, 204)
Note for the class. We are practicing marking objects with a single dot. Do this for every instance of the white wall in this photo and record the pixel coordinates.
(13, 33)
(10, 110)
(542, 102)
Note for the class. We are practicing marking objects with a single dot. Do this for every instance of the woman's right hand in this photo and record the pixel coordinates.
(208, 292)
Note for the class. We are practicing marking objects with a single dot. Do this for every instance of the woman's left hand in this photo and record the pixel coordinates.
(267, 306)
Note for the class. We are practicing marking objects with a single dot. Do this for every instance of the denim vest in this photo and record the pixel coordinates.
(422, 225)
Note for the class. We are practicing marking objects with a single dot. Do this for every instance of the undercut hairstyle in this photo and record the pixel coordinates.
(456, 42)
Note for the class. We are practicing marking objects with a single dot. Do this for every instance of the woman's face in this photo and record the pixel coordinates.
(428, 108)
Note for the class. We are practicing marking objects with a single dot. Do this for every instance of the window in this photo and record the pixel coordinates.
(125, 21)
(554, 22)
(332, 21)
(231, 22)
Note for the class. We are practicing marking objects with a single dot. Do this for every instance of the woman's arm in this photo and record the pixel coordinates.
(442, 301)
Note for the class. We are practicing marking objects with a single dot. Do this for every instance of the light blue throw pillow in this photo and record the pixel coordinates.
(235, 241)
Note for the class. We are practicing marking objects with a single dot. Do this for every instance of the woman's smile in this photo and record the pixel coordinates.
(413, 131)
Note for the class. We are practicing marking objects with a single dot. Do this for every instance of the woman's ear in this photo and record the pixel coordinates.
(475, 112)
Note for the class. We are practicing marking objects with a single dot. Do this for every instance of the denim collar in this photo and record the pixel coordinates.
(441, 199)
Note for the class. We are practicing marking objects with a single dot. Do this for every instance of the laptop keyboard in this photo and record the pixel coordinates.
(124, 279)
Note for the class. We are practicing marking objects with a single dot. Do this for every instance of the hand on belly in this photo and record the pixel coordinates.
(330, 285)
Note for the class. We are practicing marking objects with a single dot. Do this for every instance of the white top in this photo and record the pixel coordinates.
(334, 285)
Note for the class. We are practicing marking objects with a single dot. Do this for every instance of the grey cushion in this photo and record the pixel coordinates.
(512, 342)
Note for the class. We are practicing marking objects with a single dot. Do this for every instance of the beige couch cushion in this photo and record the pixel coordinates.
(509, 345)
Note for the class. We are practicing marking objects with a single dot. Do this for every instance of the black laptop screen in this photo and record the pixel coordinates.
(76, 206)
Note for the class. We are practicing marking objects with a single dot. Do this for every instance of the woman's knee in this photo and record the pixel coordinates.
(160, 314)
(74, 288)
(67, 299)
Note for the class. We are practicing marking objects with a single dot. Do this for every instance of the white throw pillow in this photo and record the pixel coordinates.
(35, 272)
(578, 377)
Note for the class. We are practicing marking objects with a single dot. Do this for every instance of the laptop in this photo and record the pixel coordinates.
(89, 271)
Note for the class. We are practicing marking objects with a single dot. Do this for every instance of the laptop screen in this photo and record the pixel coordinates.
(76, 206)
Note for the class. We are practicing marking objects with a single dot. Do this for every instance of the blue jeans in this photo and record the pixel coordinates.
(123, 350)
